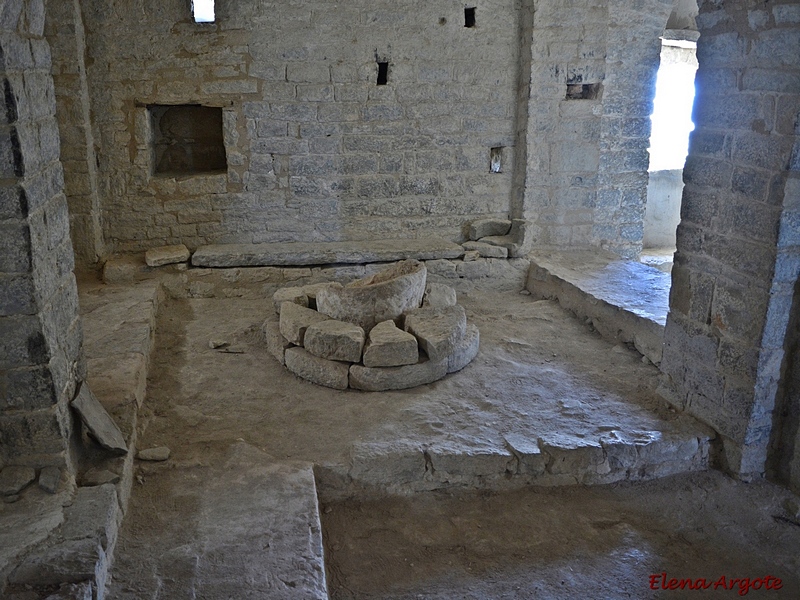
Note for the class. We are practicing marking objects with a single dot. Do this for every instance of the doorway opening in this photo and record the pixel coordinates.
(669, 145)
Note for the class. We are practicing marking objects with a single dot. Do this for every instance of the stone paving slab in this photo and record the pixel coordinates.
(626, 300)
(324, 253)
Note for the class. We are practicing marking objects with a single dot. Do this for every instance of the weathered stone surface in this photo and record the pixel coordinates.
(324, 253)
(465, 350)
(73, 591)
(500, 241)
(295, 319)
(99, 423)
(384, 295)
(330, 373)
(94, 514)
(389, 346)
(438, 330)
(295, 295)
(14, 479)
(487, 250)
(276, 343)
(157, 454)
(471, 255)
(529, 455)
(94, 477)
(335, 340)
(519, 240)
(311, 290)
(484, 227)
(380, 379)
(438, 294)
(71, 561)
(166, 255)
(49, 479)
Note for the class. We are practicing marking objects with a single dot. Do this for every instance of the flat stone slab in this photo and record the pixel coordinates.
(276, 343)
(335, 340)
(50, 479)
(484, 227)
(157, 454)
(380, 379)
(99, 423)
(323, 253)
(389, 346)
(71, 561)
(329, 373)
(439, 294)
(465, 350)
(486, 250)
(296, 319)
(438, 330)
(166, 255)
(94, 514)
(14, 479)
(295, 295)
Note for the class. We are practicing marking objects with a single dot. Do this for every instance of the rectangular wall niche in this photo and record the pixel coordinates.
(496, 159)
(583, 91)
(187, 139)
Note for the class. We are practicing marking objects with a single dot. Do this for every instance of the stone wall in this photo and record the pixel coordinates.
(40, 333)
(65, 34)
(316, 150)
(739, 238)
(587, 155)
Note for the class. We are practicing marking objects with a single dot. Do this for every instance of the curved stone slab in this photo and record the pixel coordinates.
(465, 350)
(295, 320)
(379, 297)
(438, 330)
(381, 379)
(329, 373)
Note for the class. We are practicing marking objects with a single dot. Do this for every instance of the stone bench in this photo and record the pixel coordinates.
(294, 254)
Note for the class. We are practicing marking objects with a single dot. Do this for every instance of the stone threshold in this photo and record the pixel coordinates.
(74, 559)
(627, 301)
(297, 254)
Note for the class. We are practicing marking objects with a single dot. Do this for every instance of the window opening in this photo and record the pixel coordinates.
(383, 73)
(469, 17)
(203, 11)
(496, 160)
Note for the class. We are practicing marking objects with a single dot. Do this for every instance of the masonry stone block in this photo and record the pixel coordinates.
(335, 340)
(321, 371)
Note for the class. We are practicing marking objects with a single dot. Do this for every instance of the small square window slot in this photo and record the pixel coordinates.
(383, 73)
(469, 17)
(203, 11)
(583, 91)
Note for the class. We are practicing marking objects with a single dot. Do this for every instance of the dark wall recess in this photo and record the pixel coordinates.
(469, 17)
(187, 139)
(383, 73)
(583, 91)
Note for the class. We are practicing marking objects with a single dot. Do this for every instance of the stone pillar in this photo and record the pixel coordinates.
(40, 334)
(65, 33)
(738, 241)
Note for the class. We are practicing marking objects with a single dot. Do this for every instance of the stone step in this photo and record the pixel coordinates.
(324, 253)
(626, 300)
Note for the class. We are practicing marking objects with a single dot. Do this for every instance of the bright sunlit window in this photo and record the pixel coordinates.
(672, 107)
(203, 11)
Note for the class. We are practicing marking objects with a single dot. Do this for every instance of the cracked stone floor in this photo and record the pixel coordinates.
(227, 414)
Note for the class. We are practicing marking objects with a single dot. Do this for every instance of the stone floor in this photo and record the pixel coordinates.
(546, 401)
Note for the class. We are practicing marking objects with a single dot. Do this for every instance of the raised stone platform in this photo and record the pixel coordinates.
(292, 254)
(627, 301)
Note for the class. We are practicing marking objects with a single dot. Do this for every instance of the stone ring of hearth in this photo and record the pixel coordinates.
(389, 331)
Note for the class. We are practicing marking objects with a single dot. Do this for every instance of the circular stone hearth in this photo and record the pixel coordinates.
(389, 331)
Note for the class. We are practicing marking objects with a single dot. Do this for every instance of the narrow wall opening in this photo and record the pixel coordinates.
(187, 139)
(671, 124)
(203, 11)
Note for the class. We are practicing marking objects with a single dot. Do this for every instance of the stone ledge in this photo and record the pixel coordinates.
(323, 253)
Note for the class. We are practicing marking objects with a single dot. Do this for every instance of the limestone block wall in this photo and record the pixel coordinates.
(587, 157)
(40, 334)
(738, 240)
(65, 33)
(316, 149)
